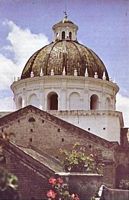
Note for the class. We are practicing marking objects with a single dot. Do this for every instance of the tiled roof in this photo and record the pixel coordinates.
(66, 54)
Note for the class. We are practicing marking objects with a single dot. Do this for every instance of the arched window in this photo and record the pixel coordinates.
(63, 35)
(94, 102)
(70, 35)
(52, 101)
(19, 102)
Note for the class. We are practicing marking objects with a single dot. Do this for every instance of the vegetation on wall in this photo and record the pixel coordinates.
(8, 185)
(77, 160)
(124, 184)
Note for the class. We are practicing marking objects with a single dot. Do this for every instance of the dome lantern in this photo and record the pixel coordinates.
(65, 30)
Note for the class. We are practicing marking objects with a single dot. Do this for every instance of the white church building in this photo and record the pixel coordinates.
(68, 80)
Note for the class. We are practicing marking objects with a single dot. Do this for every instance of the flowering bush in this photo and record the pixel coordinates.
(76, 160)
(59, 190)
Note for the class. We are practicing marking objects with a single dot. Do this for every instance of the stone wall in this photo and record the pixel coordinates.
(122, 164)
(31, 127)
(33, 177)
(48, 133)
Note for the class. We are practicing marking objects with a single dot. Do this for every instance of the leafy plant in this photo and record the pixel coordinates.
(7, 179)
(8, 185)
(76, 160)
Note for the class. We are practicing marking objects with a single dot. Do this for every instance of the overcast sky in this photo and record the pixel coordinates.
(25, 26)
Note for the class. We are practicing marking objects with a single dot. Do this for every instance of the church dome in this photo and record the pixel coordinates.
(65, 55)
(68, 80)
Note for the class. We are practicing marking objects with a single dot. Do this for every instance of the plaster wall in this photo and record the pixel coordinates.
(74, 93)
(104, 124)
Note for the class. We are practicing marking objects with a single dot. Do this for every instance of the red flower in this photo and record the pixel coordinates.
(75, 197)
(60, 180)
(52, 181)
(51, 194)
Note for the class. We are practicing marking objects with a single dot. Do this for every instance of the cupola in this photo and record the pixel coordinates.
(65, 30)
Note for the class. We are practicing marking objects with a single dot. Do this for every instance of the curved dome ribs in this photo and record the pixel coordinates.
(47, 72)
(80, 63)
(64, 54)
(44, 63)
(101, 62)
(93, 66)
(28, 67)
(94, 63)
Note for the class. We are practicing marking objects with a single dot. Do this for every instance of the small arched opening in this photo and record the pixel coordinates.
(94, 102)
(63, 35)
(19, 102)
(52, 101)
(70, 35)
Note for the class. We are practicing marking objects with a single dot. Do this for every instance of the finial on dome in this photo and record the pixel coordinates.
(86, 73)
(75, 72)
(65, 17)
(64, 72)
(65, 13)
(96, 75)
(110, 79)
(104, 76)
(52, 72)
(32, 74)
(41, 72)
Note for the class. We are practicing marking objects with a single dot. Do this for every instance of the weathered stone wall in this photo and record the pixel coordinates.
(45, 133)
(124, 137)
(33, 178)
(121, 164)
(48, 133)
(109, 174)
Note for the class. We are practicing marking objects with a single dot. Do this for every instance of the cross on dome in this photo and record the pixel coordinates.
(65, 16)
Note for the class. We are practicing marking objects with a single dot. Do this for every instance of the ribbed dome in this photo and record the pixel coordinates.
(64, 54)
